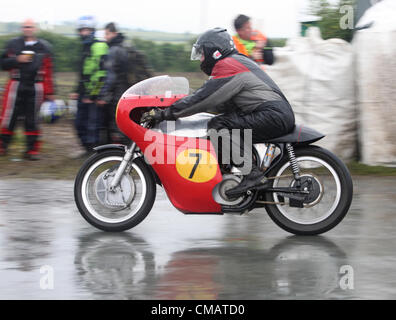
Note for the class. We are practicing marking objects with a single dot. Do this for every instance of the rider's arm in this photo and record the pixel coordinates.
(225, 83)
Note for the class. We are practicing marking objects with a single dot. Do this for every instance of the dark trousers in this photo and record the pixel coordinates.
(22, 100)
(90, 124)
(271, 120)
(113, 134)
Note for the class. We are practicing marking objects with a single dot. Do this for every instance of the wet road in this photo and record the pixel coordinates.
(172, 256)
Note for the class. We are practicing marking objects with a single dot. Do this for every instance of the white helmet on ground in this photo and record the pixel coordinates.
(51, 111)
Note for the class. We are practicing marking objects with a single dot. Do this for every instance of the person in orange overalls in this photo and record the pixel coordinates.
(251, 43)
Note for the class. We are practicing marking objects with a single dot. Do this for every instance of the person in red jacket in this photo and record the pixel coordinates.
(29, 62)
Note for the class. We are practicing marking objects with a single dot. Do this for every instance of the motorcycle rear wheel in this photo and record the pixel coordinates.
(328, 204)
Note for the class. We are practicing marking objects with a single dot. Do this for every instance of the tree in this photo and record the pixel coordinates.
(66, 50)
(337, 18)
(167, 57)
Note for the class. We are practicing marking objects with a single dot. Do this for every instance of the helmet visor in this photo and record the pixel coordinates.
(196, 52)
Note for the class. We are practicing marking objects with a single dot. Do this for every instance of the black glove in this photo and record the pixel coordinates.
(154, 116)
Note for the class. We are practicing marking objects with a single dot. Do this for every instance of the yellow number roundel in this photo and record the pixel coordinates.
(196, 165)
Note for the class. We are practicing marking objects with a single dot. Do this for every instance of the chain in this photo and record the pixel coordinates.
(280, 177)
(269, 202)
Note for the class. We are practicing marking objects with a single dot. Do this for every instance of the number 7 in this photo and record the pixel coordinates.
(199, 157)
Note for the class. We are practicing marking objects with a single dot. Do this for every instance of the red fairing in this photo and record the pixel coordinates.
(161, 152)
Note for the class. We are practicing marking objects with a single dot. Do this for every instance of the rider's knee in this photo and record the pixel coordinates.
(216, 123)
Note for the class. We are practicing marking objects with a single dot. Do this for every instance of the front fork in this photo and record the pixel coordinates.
(129, 152)
(128, 157)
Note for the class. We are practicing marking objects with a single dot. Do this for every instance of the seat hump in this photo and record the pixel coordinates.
(300, 134)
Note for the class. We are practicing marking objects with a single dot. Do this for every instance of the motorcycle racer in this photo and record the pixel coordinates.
(241, 92)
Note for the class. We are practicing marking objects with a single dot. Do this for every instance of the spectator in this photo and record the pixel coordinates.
(251, 43)
(90, 114)
(116, 82)
(30, 63)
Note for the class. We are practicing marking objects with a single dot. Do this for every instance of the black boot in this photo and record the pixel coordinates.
(4, 141)
(253, 179)
(3, 149)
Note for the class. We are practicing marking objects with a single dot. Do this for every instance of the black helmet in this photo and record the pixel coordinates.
(214, 45)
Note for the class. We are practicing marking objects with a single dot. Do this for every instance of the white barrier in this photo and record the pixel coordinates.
(316, 76)
(375, 49)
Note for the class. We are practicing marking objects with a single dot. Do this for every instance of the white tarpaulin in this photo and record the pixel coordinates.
(375, 49)
(316, 76)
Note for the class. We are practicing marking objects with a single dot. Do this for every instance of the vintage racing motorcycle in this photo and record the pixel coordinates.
(308, 189)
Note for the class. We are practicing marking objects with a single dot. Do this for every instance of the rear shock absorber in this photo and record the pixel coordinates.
(268, 157)
(293, 163)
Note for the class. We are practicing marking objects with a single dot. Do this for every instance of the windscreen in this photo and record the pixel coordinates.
(160, 86)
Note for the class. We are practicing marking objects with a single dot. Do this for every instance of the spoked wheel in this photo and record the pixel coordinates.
(114, 210)
(329, 192)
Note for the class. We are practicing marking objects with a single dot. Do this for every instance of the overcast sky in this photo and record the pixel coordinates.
(277, 18)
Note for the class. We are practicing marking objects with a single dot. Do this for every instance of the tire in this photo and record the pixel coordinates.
(146, 203)
(335, 216)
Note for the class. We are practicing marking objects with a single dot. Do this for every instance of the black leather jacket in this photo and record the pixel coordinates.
(116, 65)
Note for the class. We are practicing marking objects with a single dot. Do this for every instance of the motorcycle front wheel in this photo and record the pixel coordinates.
(122, 208)
(330, 192)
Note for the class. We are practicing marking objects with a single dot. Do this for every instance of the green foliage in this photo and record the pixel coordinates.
(170, 57)
(277, 42)
(167, 57)
(360, 169)
(158, 36)
(163, 57)
(66, 50)
(331, 15)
